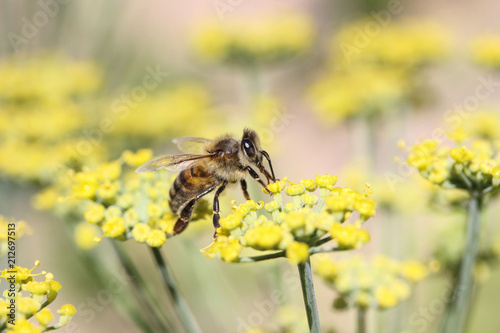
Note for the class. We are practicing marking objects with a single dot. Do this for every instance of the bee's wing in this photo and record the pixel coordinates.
(172, 162)
(192, 145)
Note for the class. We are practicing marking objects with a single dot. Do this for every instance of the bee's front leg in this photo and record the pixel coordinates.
(216, 207)
(255, 176)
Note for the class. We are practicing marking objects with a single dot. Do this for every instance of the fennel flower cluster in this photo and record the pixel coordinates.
(472, 164)
(380, 283)
(406, 198)
(298, 226)
(52, 118)
(144, 121)
(41, 117)
(20, 227)
(406, 44)
(267, 41)
(125, 205)
(485, 51)
(30, 299)
(385, 65)
(46, 78)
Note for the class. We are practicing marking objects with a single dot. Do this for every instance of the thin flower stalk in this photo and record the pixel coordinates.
(185, 314)
(143, 293)
(458, 311)
(361, 324)
(311, 306)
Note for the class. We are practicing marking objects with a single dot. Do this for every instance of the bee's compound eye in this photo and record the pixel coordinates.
(248, 148)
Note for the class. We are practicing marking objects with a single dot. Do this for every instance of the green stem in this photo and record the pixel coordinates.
(94, 268)
(361, 320)
(280, 254)
(172, 288)
(323, 241)
(143, 293)
(459, 307)
(306, 282)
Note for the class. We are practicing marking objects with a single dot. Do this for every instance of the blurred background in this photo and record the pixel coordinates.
(330, 87)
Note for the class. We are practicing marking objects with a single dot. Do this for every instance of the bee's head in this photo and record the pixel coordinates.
(252, 151)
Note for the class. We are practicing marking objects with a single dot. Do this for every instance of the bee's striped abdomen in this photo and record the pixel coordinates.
(188, 184)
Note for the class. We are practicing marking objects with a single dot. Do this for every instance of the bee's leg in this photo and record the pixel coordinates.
(265, 173)
(216, 206)
(255, 176)
(184, 217)
(244, 188)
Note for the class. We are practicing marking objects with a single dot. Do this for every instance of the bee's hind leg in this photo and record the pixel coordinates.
(244, 188)
(216, 207)
(184, 217)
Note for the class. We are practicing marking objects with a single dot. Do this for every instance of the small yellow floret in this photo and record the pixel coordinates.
(44, 317)
(85, 234)
(414, 271)
(138, 158)
(462, 155)
(277, 186)
(157, 238)
(309, 184)
(326, 181)
(141, 232)
(293, 190)
(386, 297)
(114, 227)
(297, 252)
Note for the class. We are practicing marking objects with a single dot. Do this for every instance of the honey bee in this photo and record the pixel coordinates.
(216, 163)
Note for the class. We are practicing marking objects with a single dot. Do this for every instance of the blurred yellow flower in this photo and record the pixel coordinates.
(486, 50)
(138, 158)
(85, 234)
(61, 77)
(462, 154)
(386, 297)
(385, 65)
(381, 283)
(247, 43)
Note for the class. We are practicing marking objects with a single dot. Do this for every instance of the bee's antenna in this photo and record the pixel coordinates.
(266, 155)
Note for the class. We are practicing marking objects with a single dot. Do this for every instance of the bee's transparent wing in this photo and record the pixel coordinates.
(172, 162)
(192, 145)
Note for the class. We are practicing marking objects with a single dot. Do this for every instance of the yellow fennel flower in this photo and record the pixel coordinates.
(95, 214)
(156, 238)
(380, 283)
(85, 234)
(297, 252)
(114, 227)
(44, 317)
(264, 237)
(414, 271)
(298, 222)
(386, 297)
(462, 155)
(141, 232)
(138, 158)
